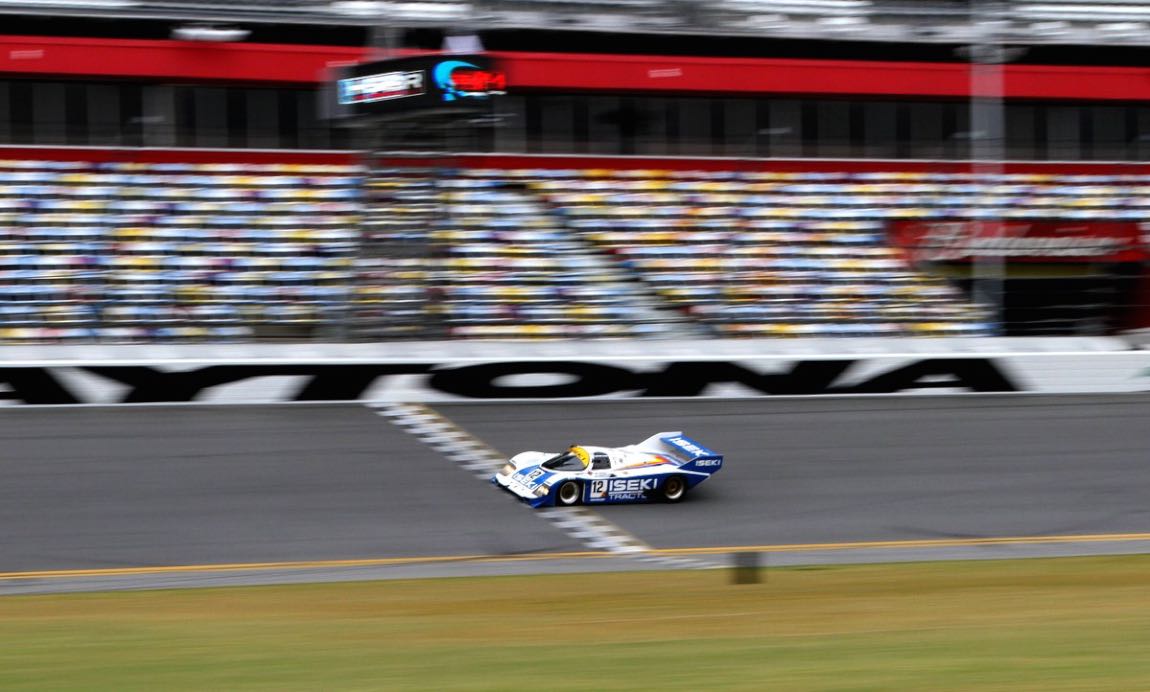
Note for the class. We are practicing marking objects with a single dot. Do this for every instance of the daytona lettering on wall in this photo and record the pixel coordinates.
(310, 382)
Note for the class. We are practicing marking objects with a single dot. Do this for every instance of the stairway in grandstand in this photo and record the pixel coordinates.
(394, 293)
(513, 270)
(126, 251)
(175, 252)
(761, 254)
(469, 254)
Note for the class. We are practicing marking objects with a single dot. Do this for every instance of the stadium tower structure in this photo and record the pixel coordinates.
(968, 107)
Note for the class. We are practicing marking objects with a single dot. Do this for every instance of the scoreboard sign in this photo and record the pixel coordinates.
(380, 87)
(436, 83)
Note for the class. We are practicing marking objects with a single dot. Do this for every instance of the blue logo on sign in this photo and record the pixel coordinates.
(443, 77)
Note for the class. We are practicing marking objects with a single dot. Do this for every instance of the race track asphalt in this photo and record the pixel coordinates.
(105, 488)
(868, 469)
(100, 488)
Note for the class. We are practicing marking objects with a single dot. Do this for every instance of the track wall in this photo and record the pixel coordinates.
(563, 378)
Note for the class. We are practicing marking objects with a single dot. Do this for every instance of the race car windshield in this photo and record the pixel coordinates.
(564, 462)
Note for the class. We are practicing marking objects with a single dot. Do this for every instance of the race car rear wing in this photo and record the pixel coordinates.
(687, 453)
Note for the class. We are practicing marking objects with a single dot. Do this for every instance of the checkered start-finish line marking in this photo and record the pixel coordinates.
(477, 458)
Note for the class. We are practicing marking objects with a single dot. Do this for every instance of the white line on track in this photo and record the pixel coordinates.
(476, 457)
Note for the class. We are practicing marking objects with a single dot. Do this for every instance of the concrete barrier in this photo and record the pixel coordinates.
(486, 378)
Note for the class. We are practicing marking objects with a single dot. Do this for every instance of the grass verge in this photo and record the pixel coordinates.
(1058, 624)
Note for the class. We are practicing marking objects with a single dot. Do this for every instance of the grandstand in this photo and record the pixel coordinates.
(134, 252)
(743, 254)
(753, 188)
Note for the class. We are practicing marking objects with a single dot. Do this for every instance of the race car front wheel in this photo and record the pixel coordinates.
(568, 494)
(674, 489)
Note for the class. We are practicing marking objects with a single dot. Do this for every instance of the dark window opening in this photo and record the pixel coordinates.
(130, 113)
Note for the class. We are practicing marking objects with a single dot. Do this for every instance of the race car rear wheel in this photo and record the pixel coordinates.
(568, 493)
(674, 489)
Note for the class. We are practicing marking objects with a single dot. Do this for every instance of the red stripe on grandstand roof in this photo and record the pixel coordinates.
(141, 155)
(170, 59)
(779, 165)
(275, 63)
(732, 75)
(842, 77)
(302, 156)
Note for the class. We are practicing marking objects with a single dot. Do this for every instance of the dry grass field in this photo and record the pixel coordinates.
(1059, 624)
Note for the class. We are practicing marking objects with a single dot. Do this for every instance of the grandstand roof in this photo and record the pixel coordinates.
(1070, 22)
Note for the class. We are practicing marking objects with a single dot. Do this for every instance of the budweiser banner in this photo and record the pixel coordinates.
(1024, 241)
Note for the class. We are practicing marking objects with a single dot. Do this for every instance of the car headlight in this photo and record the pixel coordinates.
(542, 491)
(507, 470)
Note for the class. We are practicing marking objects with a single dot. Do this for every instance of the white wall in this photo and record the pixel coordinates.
(486, 379)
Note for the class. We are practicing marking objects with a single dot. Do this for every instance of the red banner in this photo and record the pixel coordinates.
(1023, 241)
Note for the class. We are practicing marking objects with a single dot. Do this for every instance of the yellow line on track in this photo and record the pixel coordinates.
(909, 544)
(396, 561)
(304, 564)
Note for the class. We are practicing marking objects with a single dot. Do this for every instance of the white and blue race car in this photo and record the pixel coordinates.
(661, 468)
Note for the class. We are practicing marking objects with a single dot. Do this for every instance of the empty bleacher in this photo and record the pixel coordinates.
(173, 252)
(157, 252)
(449, 255)
(756, 254)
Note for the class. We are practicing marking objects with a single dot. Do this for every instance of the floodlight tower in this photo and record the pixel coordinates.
(988, 53)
